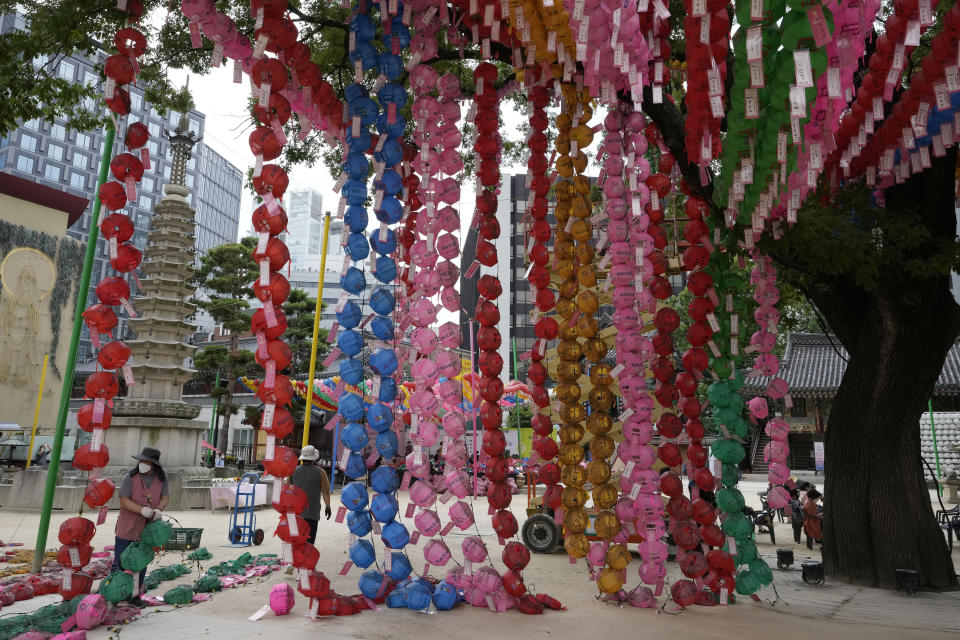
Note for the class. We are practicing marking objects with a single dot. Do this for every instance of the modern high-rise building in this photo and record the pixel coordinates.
(516, 323)
(304, 236)
(49, 153)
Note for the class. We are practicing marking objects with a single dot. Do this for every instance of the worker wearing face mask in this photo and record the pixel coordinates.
(143, 497)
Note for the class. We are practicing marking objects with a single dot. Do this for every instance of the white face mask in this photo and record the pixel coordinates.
(144, 467)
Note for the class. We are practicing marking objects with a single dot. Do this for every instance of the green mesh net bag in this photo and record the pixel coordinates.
(244, 560)
(156, 534)
(178, 595)
(136, 557)
(165, 573)
(47, 619)
(182, 569)
(150, 583)
(117, 586)
(14, 626)
(199, 555)
(208, 584)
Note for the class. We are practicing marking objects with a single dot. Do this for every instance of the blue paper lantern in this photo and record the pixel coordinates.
(353, 281)
(351, 371)
(350, 341)
(350, 317)
(382, 327)
(395, 535)
(380, 417)
(384, 507)
(386, 270)
(356, 218)
(384, 362)
(382, 301)
(362, 553)
(384, 479)
(354, 436)
(351, 407)
(387, 445)
(354, 496)
(359, 522)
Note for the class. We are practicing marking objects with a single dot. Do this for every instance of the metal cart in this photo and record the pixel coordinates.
(243, 521)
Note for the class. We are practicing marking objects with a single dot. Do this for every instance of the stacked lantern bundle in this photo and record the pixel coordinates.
(612, 47)
(545, 328)
(924, 114)
(378, 418)
(625, 170)
(102, 386)
(707, 28)
(543, 30)
(766, 295)
(572, 235)
(487, 147)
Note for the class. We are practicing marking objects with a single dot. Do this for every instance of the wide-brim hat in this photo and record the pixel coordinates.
(309, 453)
(148, 454)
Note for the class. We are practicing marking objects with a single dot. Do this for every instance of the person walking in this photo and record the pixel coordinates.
(144, 494)
(314, 481)
(811, 518)
(796, 514)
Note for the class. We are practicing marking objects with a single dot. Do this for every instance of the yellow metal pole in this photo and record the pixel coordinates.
(316, 329)
(36, 412)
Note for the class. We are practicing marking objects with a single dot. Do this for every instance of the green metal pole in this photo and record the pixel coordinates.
(66, 392)
(933, 431)
(516, 397)
(213, 416)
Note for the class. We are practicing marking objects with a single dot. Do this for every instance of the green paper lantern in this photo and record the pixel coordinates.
(178, 595)
(729, 475)
(762, 570)
(747, 583)
(727, 450)
(150, 583)
(136, 557)
(737, 525)
(117, 586)
(730, 500)
(746, 551)
(200, 554)
(208, 584)
(156, 534)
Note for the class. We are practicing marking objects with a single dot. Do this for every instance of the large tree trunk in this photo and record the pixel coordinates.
(877, 511)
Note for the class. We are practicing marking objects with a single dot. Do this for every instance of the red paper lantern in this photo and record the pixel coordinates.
(85, 418)
(126, 165)
(76, 560)
(136, 136)
(703, 511)
(541, 424)
(693, 564)
(505, 524)
(660, 288)
(264, 142)
(488, 338)
(699, 283)
(130, 42)
(283, 463)
(100, 318)
(489, 287)
(276, 291)
(292, 499)
(671, 484)
(102, 384)
(513, 583)
(258, 324)
(80, 582)
(120, 102)
(516, 556)
(280, 394)
(98, 492)
(685, 534)
(114, 197)
(283, 529)
(283, 424)
(120, 68)
(128, 258)
(491, 416)
(86, 460)
(113, 290)
(278, 108)
(494, 442)
(670, 454)
(113, 355)
(276, 252)
(117, 225)
(272, 179)
(76, 531)
(669, 425)
(272, 222)
(278, 351)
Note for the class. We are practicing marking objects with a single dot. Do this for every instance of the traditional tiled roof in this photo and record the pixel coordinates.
(814, 364)
(948, 437)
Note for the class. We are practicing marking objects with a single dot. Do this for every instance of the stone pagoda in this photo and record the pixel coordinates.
(153, 413)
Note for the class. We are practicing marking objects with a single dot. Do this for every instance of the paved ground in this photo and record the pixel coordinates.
(803, 611)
